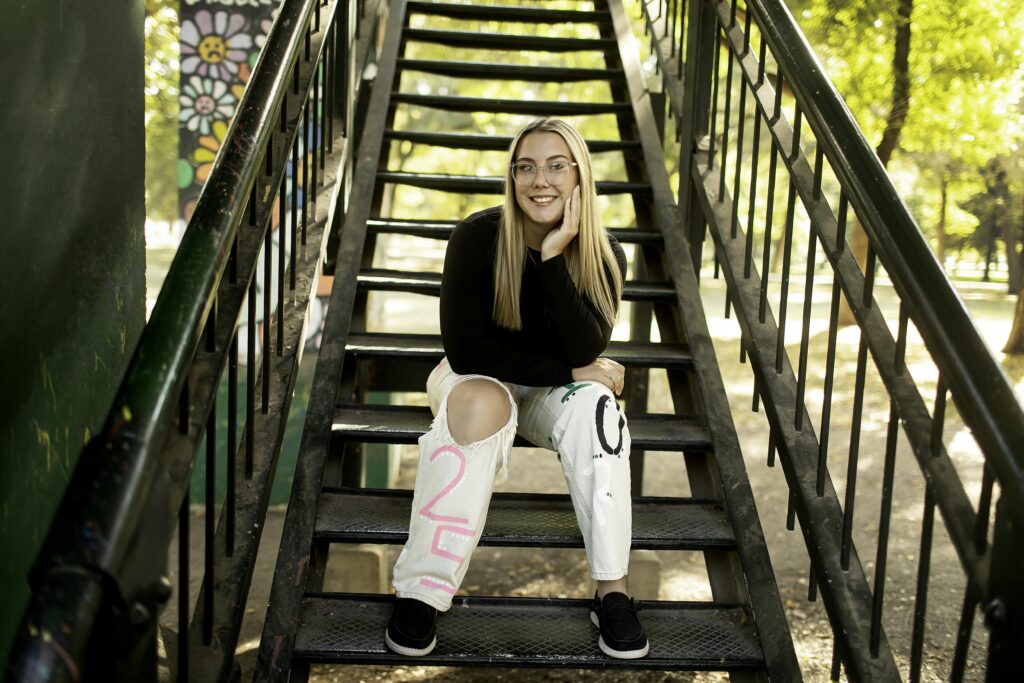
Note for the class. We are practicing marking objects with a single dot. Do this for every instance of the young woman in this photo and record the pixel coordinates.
(529, 296)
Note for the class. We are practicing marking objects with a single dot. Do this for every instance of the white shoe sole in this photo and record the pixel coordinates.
(618, 654)
(409, 651)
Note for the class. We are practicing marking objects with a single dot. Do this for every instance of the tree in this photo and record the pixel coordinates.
(161, 116)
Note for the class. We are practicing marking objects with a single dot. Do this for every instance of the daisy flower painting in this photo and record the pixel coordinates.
(214, 45)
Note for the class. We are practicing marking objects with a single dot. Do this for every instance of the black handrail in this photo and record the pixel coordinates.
(982, 392)
(116, 478)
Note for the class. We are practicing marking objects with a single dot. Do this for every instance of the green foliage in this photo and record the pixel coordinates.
(162, 73)
(967, 84)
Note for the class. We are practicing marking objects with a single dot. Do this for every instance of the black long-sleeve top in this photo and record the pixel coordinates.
(561, 328)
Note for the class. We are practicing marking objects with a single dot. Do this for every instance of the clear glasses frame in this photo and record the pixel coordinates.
(525, 173)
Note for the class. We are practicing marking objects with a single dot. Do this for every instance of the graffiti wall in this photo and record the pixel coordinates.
(220, 43)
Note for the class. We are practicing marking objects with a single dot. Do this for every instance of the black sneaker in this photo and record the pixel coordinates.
(411, 629)
(622, 634)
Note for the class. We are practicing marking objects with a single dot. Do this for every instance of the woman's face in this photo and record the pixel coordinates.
(543, 201)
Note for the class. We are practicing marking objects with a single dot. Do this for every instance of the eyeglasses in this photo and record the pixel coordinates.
(525, 172)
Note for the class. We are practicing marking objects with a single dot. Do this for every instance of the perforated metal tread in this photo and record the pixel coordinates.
(405, 424)
(430, 283)
(428, 348)
(489, 185)
(441, 230)
(525, 519)
(509, 106)
(505, 41)
(530, 632)
(518, 72)
(508, 12)
(493, 142)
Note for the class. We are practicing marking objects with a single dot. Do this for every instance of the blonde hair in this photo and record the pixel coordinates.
(586, 257)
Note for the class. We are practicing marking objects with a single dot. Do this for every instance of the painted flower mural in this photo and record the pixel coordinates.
(203, 101)
(204, 155)
(214, 44)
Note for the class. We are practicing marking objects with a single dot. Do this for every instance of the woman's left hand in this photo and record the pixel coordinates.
(558, 239)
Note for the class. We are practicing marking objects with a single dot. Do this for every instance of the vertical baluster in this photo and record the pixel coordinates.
(746, 31)
(984, 503)
(282, 240)
(885, 515)
(734, 228)
(305, 170)
(714, 99)
(963, 634)
(210, 519)
(921, 593)
(851, 469)
(232, 448)
(320, 80)
(183, 588)
(841, 222)
(818, 159)
(778, 99)
(805, 335)
(732, 14)
(762, 53)
(315, 141)
(341, 34)
(755, 154)
(830, 368)
(767, 245)
(837, 658)
(282, 116)
(727, 120)
(771, 447)
(797, 119)
(295, 214)
(755, 407)
(812, 584)
(268, 256)
(250, 379)
(791, 512)
(329, 86)
(787, 251)
(869, 277)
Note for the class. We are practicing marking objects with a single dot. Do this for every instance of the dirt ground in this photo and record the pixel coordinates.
(563, 573)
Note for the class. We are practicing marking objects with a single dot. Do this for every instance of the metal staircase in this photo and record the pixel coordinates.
(308, 156)
(737, 631)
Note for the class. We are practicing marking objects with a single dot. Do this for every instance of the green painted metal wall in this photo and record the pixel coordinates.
(72, 252)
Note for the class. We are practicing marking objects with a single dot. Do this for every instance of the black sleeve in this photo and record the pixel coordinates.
(583, 331)
(466, 322)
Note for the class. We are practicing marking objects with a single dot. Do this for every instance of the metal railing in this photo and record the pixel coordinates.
(756, 102)
(276, 189)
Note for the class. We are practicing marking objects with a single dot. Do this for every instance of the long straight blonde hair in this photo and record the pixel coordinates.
(587, 256)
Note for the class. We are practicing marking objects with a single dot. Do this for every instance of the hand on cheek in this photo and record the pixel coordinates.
(559, 238)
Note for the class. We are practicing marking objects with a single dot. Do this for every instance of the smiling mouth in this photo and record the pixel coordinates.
(543, 200)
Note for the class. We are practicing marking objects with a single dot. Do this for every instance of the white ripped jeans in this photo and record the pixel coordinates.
(581, 421)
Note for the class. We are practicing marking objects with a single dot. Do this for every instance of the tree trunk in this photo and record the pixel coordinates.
(893, 128)
(940, 230)
(1015, 344)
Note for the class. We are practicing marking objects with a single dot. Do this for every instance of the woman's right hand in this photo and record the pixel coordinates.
(603, 370)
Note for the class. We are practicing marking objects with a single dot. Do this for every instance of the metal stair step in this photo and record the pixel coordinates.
(510, 72)
(441, 230)
(505, 41)
(525, 519)
(530, 632)
(503, 106)
(430, 284)
(532, 15)
(405, 424)
(492, 185)
(494, 142)
(428, 348)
